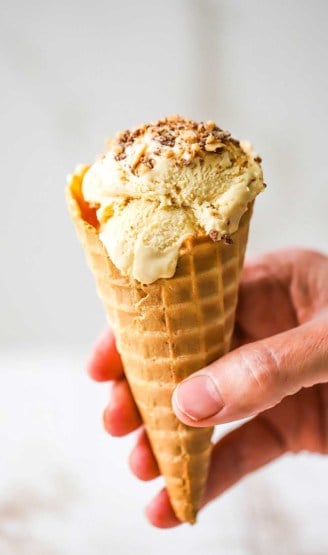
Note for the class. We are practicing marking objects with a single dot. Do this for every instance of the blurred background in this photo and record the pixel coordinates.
(73, 73)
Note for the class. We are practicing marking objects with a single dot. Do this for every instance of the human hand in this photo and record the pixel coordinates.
(277, 373)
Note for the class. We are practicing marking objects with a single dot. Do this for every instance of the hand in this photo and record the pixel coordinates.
(277, 373)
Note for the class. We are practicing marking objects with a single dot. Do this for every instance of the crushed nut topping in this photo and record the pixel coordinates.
(169, 137)
(120, 156)
(227, 239)
(214, 235)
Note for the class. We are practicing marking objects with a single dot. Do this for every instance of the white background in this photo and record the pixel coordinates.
(73, 73)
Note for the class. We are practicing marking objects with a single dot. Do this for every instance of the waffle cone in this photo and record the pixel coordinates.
(165, 331)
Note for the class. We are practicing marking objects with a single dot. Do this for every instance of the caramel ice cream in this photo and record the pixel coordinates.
(161, 182)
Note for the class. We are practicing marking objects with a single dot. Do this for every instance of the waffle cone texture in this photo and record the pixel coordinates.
(165, 331)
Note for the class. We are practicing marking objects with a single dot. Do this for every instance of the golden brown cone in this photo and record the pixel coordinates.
(165, 331)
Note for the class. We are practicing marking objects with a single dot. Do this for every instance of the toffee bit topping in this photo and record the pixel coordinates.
(227, 239)
(120, 156)
(166, 141)
(149, 163)
(235, 142)
(214, 235)
(258, 159)
(170, 137)
(138, 155)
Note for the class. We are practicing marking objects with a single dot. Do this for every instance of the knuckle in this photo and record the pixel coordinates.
(262, 366)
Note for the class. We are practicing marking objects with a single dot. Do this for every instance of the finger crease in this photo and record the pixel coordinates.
(251, 371)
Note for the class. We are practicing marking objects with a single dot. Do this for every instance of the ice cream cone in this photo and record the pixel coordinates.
(165, 331)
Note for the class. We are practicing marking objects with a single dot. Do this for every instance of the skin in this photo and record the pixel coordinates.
(277, 373)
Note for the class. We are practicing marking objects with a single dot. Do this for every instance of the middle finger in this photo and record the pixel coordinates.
(121, 416)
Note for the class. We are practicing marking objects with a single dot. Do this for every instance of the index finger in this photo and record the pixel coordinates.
(265, 306)
(105, 362)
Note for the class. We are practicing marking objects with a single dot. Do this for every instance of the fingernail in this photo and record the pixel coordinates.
(198, 397)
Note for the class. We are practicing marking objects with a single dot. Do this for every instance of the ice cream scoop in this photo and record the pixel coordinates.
(161, 182)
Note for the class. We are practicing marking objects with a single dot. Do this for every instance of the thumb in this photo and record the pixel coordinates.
(254, 377)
